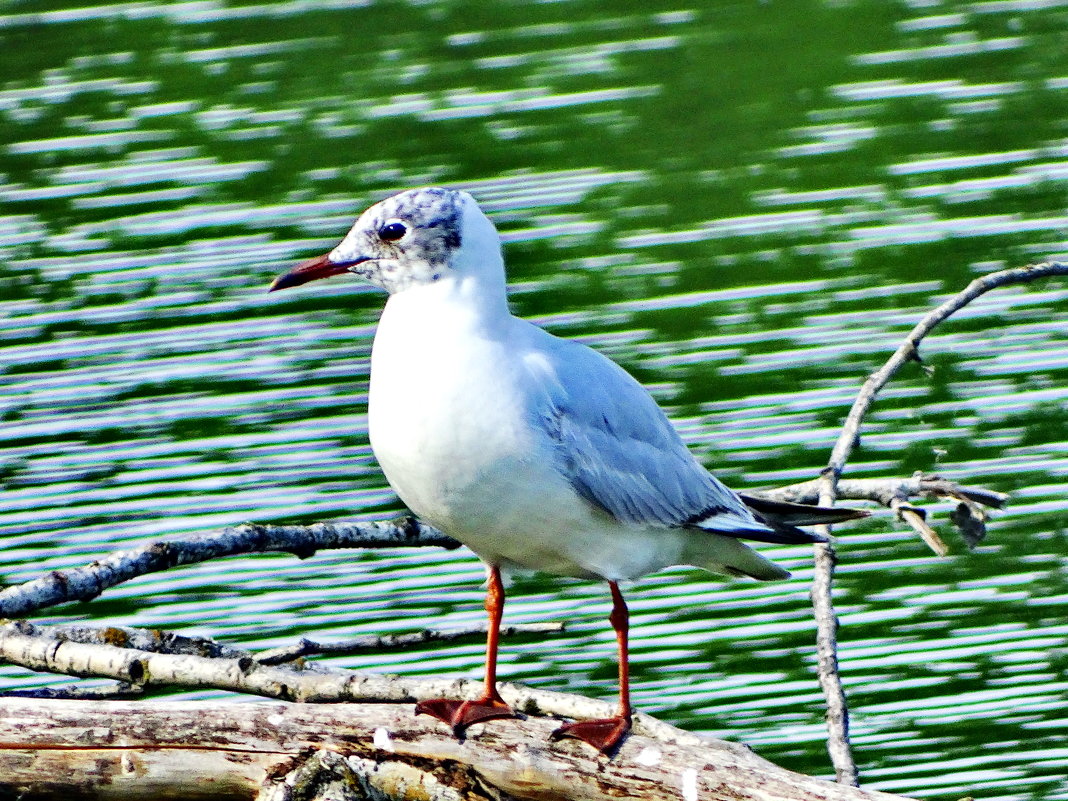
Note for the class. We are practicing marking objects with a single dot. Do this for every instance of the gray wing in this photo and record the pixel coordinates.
(620, 452)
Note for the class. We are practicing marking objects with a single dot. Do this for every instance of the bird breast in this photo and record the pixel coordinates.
(447, 425)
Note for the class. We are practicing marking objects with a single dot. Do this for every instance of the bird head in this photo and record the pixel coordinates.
(418, 237)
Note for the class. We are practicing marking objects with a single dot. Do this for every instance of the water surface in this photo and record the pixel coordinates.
(745, 204)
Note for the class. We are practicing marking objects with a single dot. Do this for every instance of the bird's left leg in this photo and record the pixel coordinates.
(490, 706)
(607, 733)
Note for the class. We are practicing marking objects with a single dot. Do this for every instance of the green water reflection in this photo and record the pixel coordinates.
(746, 204)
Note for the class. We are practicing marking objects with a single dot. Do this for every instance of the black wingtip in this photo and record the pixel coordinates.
(784, 513)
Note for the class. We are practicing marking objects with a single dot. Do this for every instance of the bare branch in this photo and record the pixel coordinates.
(885, 490)
(356, 645)
(83, 584)
(52, 650)
(112, 691)
(909, 351)
(156, 641)
(826, 620)
(837, 709)
(894, 493)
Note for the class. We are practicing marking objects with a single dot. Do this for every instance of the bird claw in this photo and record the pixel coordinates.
(605, 734)
(461, 714)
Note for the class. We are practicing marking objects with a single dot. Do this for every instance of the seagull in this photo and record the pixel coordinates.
(537, 452)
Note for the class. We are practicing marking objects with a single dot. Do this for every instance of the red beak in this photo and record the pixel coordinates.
(311, 270)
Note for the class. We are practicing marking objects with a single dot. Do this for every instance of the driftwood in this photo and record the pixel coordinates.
(53, 744)
(273, 751)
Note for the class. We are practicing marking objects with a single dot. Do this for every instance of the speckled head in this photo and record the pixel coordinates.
(406, 240)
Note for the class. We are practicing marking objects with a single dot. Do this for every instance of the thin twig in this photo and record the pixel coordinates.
(826, 619)
(387, 642)
(917, 520)
(112, 691)
(909, 351)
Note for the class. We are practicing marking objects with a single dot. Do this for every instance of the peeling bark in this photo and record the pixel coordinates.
(275, 751)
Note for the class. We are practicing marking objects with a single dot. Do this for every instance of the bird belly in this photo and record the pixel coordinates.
(521, 521)
(513, 513)
(545, 526)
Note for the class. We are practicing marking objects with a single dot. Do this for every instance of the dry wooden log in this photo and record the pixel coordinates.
(222, 750)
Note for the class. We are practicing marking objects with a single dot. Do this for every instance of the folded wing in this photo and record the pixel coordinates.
(623, 456)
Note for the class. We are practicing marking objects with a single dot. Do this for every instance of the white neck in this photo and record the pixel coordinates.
(478, 264)
(468, 302)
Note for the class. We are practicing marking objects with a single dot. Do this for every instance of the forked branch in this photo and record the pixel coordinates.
(970, 519)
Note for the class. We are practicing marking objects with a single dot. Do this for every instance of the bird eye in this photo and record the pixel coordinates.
(393, 231)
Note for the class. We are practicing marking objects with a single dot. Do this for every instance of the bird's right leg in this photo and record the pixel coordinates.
(490, 706)
(605, 734)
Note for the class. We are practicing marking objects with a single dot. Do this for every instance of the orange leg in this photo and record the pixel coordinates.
(607, 733)
(461, 714)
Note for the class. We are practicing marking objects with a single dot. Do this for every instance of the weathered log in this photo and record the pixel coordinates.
(223, 750)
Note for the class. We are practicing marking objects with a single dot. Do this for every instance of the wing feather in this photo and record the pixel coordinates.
(621, 453)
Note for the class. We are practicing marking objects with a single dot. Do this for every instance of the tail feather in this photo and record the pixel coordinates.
(730, 556)
(775, 521)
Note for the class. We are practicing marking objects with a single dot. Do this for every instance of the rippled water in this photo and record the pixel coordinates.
(745, 204)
